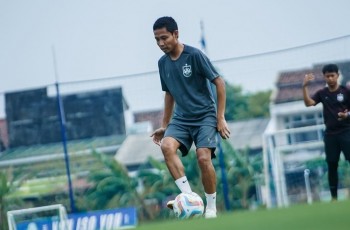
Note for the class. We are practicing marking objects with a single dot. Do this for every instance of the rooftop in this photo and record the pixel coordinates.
(247, 133)
(289, 82)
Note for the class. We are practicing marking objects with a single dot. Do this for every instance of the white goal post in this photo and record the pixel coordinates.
(62, 214)
(275, 147)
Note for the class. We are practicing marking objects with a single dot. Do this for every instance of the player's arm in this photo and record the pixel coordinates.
(308, 101)
(169, 103)
(168, 109)
(221, 105)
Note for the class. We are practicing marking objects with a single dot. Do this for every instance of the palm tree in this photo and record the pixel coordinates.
(242, 175)
(8, 184)
(156, 184)
(113, 187)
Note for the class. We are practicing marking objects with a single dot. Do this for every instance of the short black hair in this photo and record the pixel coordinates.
(330, 68)
(168, 22)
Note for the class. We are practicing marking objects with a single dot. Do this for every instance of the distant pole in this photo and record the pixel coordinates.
(203, 41)
(63, 133)
(307, 186)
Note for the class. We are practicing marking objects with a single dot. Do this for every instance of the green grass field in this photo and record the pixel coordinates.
(318, 216)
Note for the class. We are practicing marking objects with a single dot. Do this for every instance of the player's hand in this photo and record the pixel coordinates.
(223, 128)
(158, 135)
(343, 115)
(308, 77)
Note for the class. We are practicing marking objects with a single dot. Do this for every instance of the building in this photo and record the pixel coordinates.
(246, 134)
(33, 116)
(155, 117)
(3, 135)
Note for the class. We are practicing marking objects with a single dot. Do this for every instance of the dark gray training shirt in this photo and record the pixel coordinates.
(187, 80)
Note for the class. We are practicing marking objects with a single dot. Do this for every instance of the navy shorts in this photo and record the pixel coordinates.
(335, 144)
(202, 136)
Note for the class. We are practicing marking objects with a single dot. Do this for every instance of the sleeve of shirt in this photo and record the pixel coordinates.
(206, 68)
(317, 97)
(161, 73)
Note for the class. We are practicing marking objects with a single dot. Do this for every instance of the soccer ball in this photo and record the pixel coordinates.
(188, 205)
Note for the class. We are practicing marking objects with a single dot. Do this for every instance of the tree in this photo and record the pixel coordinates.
(157, 185)
(8, 184)
(258, 104)
(236, 103)
(113, 187)
(241, 106)
(243, 175)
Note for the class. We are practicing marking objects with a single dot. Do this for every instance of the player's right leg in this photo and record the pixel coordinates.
(169, 146)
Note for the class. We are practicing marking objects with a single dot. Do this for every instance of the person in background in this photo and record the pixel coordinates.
(335, 99)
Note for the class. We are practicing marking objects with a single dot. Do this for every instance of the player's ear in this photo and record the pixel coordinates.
(176, 34)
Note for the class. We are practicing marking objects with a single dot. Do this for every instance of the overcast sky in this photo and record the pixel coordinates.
(106, 38)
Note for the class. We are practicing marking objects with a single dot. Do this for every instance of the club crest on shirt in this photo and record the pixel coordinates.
(187, 70)
(340, 97)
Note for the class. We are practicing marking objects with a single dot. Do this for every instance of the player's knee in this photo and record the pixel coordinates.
(168, 147)
(203, 158)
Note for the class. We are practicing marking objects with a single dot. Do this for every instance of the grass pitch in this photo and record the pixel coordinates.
(318, 216)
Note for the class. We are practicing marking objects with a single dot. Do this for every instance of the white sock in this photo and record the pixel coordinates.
(183, 185)
(211, 201)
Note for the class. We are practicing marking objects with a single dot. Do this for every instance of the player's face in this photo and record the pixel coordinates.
(331, 79)
(165, 40)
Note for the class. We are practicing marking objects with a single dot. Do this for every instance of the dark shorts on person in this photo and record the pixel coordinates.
(335, 144)
(202, 136)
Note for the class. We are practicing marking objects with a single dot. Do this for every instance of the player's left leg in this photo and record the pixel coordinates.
(208, 180)
(344, 141)
(207, 170)
(206, 140)
(332, 150)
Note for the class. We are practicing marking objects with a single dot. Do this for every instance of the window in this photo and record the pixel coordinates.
(303, 120)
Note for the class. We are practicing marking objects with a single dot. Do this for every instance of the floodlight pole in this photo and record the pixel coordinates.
(64, 142)
(63, 134)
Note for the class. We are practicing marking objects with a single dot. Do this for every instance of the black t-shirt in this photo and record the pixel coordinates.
(333, 103)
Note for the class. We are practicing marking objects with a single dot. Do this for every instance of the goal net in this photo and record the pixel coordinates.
(46, 217)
